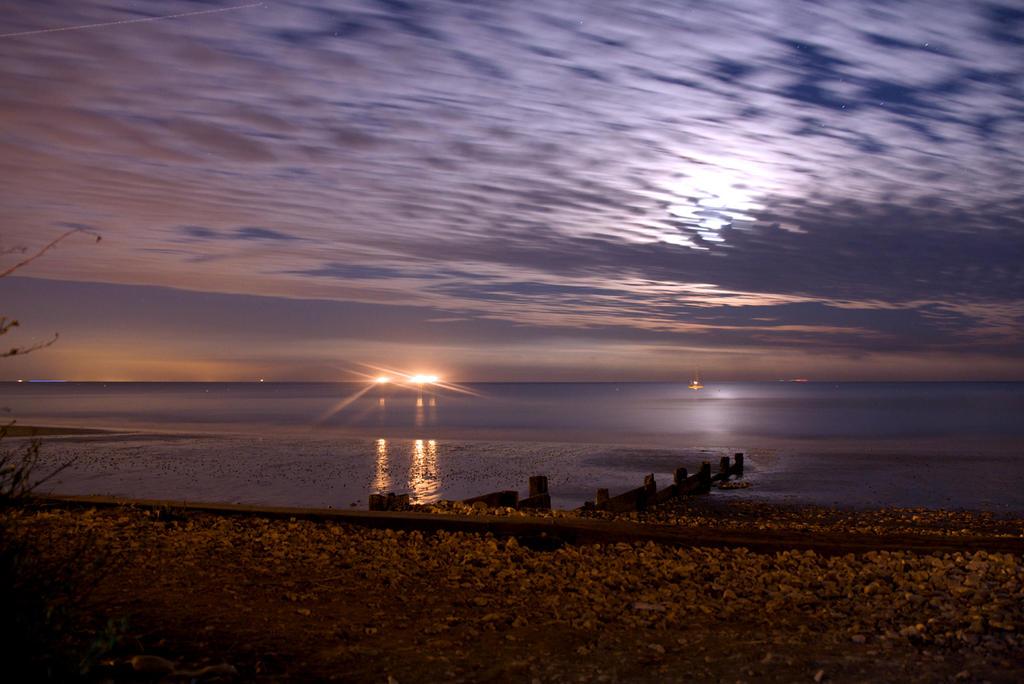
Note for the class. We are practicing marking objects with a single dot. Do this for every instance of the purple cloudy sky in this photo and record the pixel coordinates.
(544, 189)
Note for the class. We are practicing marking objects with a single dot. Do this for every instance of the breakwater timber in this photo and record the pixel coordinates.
(638, 499)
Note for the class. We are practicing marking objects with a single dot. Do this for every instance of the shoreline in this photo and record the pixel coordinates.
(340, 470)
(752, 525)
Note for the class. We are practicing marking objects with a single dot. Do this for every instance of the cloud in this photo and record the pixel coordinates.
(253, 233)
(211, 139)
(738, 170)
(244, 233)
(360, 272)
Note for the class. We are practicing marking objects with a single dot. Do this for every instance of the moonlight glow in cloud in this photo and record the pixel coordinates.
(475, 182)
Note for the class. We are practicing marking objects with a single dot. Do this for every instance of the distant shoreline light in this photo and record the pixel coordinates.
(418, 379)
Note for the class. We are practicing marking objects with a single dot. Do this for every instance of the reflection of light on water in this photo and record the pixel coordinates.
(381, 481)
(423, 484)
(708, 410)
(713, 416)
(712, 411)
(423, 480)
(426, 413)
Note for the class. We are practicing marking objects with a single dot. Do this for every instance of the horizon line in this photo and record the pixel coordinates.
(793, 381)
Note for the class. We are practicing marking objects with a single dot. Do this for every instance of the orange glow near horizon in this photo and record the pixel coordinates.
(383, 375)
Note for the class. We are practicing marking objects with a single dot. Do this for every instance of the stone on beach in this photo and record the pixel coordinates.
(151, 665)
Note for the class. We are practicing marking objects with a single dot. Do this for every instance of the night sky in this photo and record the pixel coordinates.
(530, 190)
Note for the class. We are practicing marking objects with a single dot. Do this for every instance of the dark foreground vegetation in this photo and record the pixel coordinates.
(51, 629)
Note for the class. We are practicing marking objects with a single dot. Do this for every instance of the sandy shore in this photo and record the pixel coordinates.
(282, 599)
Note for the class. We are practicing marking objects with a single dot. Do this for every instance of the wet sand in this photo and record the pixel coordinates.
(336, 470)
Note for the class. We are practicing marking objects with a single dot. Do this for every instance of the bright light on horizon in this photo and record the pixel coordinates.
(395, 376)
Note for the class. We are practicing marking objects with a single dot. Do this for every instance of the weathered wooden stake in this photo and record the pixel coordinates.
(679, 479)
(539, 496)
(602, 496)
(723, 470)
(538, 485)
(738, 465)
(705, 478)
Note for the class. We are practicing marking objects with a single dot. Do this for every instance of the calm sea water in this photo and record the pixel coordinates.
(856, 444)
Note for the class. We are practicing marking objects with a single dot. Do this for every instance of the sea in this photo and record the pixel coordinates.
(319, 445)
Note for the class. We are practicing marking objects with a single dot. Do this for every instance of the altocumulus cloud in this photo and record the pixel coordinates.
(738, 171)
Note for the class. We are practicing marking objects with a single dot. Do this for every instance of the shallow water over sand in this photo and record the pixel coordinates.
(952, 445)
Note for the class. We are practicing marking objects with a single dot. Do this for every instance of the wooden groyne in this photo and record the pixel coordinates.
(539, 498)
(683, 484)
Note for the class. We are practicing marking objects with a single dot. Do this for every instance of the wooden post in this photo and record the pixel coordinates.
(679, 478)
(377, 502)
(602, 496)
(538, 485)
(539, 496)
(679, 487)
(647, 493)
(723, 470)
(738, 466)
(705, 477)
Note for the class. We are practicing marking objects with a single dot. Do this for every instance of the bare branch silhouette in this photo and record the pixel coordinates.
(8, 323)
(44, 250)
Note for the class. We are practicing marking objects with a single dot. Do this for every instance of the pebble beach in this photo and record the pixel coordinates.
(254, 598)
